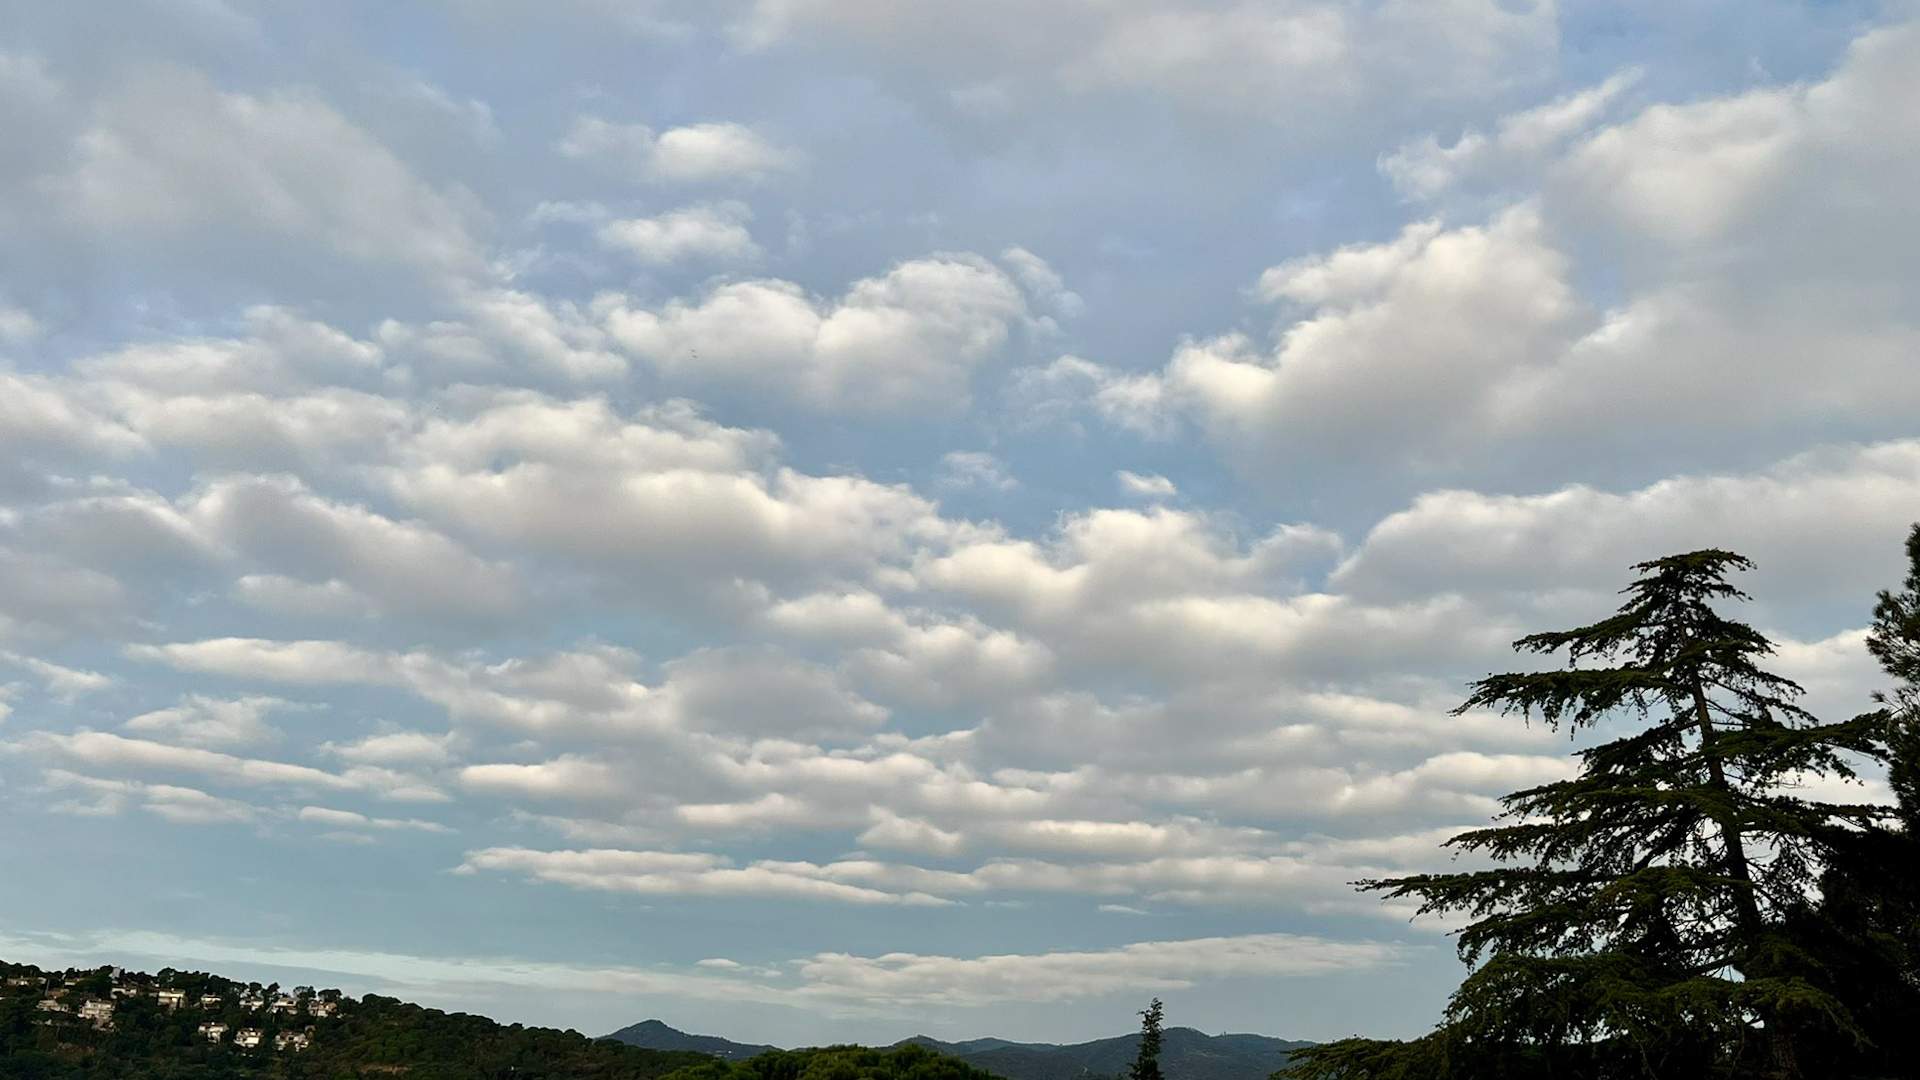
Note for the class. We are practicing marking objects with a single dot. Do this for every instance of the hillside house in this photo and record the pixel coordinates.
(23, 980)
(248, 1038)
(213, 1032)
(211, 1001)
(49, 1005)
(100, 1012)
(321, 1007)
(170, 999)
(285, 1004)
(292, 1040)
(126, 991)
(253, 999)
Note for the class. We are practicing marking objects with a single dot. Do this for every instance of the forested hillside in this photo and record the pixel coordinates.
(904, 1062)
(372, 1036)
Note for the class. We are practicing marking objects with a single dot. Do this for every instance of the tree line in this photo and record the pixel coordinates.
(372, 1036)
(1705, 897)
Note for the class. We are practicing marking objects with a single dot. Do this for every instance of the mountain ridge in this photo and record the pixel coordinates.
(658, 1035)
(1186, 1053)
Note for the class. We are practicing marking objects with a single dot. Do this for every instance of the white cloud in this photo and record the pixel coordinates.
(99, 749)
(278, 525)
(712, 232)
(170, 160)
(589, 689)
(1399, 344)
(562, 778)
(661, 873)
(693, 154)
(975, 469)
(1325, 59)
(38, 416)
(1042, 282)
(661, 503)
(1145, 485)
(1072, 975)
(202, 721)
(96, 797)
(749, 692)
(1819, 524)
(1734, 257)
(1519, 147)
(1179, 593)
(348, 819)
(1055, 394)
(47, 596)
(505, 328)
(64, 683)
(398, 748)
(699, 153)
(907, 340)
(17, 325)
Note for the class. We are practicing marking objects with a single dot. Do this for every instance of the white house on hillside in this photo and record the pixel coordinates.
(247, 1038)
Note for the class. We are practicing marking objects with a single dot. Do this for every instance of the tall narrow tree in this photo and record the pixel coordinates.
(1146, 1063)
(1633, 920)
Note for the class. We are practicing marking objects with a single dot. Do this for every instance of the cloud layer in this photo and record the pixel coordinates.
(1010, 512)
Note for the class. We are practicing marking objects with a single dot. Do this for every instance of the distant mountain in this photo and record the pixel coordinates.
(1185, 1054)
(654, 1035)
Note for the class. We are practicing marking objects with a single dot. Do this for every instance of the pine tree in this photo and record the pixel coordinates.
(1895, 638)
(1146, 1064)
(1865, 927)
(1636, 920)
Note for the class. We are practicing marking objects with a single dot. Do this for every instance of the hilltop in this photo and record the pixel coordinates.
(101, 1023)
(1186, 1054)
(174, 1025)
(656, 1035)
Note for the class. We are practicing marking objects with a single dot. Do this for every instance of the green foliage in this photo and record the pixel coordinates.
(1146, 1065)
(1865, 927)
(1646, 918)
(907, 1062)
(374, 1037)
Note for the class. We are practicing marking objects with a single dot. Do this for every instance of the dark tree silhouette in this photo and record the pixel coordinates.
(1865, 926)
(1146, 1064)
(1638, 920)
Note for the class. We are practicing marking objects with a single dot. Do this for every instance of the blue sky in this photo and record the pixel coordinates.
(828, 519)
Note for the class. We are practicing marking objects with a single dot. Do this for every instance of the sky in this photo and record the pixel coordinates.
(823, 520)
